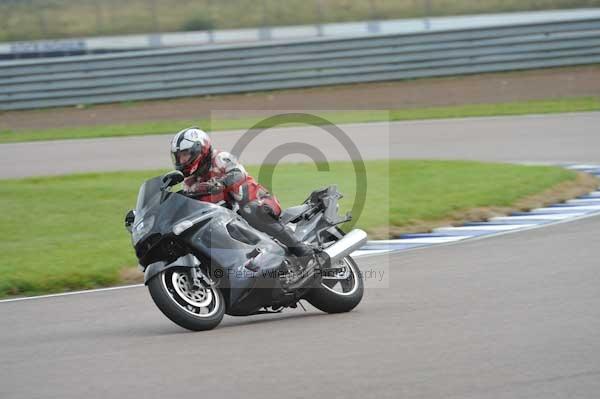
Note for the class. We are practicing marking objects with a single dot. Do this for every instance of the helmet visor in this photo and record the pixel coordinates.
(183, 157)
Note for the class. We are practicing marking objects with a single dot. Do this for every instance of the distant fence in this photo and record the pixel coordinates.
(158, 74)
(108, 44)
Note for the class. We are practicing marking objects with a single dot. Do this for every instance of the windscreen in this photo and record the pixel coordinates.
(148, 195)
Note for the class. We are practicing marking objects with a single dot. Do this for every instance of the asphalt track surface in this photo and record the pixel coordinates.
(545, 138)
(492, 318)
(510, 316)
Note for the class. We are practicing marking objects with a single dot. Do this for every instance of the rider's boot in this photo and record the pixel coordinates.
(307, 256)
(261, 219)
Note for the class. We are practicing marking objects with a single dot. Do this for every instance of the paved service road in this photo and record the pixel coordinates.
(492, 318)
(549, 138)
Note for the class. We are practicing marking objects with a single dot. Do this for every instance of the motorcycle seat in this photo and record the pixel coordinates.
(292, 213)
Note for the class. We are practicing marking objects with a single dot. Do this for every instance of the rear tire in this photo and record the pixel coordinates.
(197, 310)
(327, 299)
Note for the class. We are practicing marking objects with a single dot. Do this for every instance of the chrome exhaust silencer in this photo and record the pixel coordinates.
(348, 244)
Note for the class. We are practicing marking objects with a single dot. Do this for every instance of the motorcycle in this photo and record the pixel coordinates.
(202, 260)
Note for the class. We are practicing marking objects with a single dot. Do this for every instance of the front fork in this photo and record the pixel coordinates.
(198, 279)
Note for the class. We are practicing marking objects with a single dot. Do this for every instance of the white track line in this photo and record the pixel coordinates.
(430, 240)
(500, 227)
(557, 211)
(121, 287)
(553, 216)
(587, 201)
(356, 254)
(568, 209)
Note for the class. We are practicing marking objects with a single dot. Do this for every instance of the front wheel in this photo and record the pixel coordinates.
(197, 309)
(339, 292)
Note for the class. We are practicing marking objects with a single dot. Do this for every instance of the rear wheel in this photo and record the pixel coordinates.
(196, 309)
(338, 292)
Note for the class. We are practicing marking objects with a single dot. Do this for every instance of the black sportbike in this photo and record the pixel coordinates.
(202, 260)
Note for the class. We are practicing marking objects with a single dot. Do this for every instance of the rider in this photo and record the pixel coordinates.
(216, 176)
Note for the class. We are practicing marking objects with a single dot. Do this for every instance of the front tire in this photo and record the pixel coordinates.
(197, 310)
(330, 298)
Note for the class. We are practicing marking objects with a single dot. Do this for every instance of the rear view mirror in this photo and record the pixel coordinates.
(172, 178)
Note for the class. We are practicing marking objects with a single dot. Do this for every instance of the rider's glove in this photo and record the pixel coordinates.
(209, 187)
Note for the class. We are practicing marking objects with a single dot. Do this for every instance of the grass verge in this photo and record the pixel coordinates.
(66, 233)
(576, 104)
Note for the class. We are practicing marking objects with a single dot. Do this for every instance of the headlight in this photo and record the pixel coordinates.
(182, 226)
(141, 228)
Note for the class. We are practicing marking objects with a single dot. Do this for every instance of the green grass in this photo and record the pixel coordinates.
(66, 233)
(577, 104)
(35, 19)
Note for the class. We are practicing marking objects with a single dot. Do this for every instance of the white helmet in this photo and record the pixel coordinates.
(191, 151)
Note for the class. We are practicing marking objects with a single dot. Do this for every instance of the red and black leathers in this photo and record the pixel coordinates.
(235, 186)
(238, 186)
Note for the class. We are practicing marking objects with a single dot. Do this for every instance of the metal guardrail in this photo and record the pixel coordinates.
(157, 74)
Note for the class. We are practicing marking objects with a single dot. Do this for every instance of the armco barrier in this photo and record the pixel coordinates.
(156, 74)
